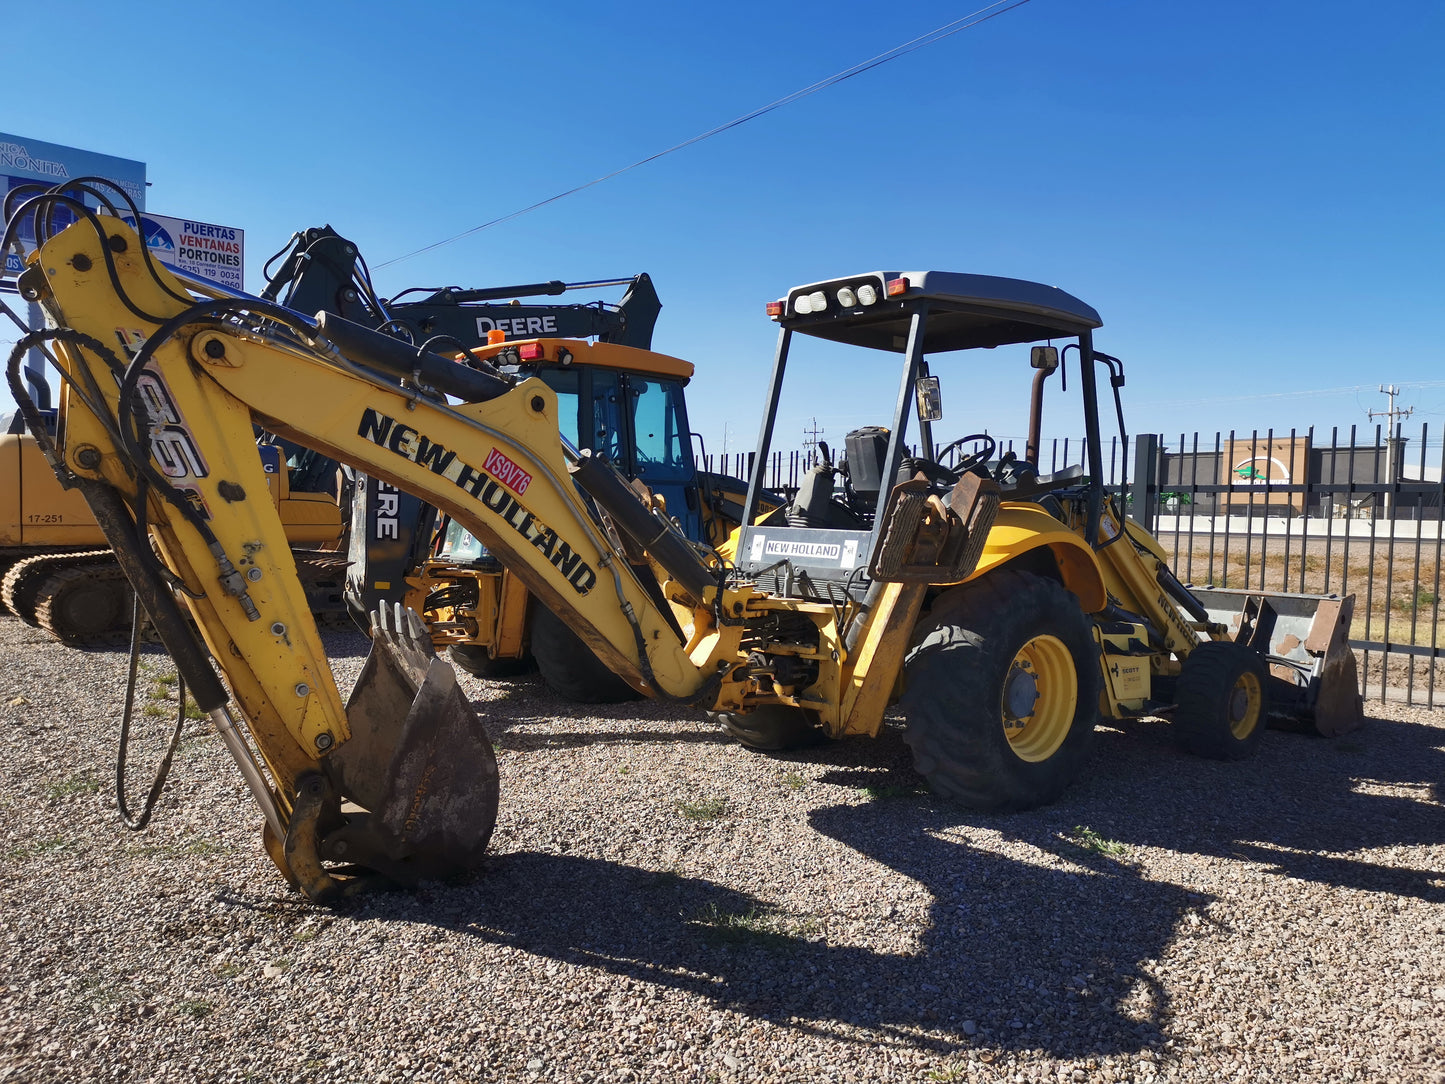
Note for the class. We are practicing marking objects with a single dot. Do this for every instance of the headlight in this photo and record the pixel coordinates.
(867, 295)
(847, 298)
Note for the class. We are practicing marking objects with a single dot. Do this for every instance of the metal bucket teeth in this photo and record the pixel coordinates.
(418, 762)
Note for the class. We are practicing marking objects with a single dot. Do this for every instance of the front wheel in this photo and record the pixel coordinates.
(568, 665)
(1223, 701)
(772, 728)
(475, 660)
(1003, 692)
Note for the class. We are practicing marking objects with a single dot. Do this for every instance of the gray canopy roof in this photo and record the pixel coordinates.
(964, 311)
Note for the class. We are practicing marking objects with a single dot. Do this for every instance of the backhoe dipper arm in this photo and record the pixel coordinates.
(170, 430)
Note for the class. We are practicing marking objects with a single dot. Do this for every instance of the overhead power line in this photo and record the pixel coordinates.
(982, 15)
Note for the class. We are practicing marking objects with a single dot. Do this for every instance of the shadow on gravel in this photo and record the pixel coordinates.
(1036, 958)
(1050, 956)
(1302, 807)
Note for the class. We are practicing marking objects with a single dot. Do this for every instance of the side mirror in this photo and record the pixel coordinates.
(1044, 357)
(930, 399)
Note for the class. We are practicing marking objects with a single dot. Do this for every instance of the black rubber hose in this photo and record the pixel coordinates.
(137, 822)
(191, 657)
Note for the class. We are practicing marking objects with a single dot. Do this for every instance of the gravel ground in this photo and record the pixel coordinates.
(663, 905)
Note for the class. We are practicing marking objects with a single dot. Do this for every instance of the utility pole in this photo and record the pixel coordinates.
(1391, 414)
(811, 433)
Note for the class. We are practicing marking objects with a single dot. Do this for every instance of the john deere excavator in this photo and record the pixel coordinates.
(616, 397)
(1011, 608)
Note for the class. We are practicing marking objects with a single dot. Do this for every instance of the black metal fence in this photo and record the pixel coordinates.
(1356, 511)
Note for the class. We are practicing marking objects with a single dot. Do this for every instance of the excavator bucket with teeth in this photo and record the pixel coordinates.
(418, 765)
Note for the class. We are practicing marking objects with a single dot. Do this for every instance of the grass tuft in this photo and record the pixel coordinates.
(758, 926)
(705, 809)
(947, 1073)
(1089, 840)
(1421, 599)
(75, 784)
(882, 791)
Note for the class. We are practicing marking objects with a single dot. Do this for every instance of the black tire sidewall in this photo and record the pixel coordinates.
(953, 700)
(771, 728)
(568, 665)
(474, 659)
(1201, 715)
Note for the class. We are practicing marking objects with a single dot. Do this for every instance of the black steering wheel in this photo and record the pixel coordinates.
(973, 459)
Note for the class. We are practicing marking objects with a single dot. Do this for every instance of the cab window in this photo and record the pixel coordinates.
(564, 382)
(660, 432)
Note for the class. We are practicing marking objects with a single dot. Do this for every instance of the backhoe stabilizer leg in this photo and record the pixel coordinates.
(1335, 705)
(1338, 705)
(419, 763)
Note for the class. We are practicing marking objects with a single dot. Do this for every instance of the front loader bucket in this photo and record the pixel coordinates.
(1306, 642)
(418, 763)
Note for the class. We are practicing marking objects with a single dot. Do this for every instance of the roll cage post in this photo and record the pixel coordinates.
(906, 391)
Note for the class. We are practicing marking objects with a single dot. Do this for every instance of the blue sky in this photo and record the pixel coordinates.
(1250, 194)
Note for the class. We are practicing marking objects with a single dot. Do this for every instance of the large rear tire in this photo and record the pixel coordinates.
(568, 665)
(772, 728)
(1003, 692)
(1223, 701)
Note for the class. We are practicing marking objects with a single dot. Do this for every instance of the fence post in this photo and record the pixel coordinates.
(1144, 486)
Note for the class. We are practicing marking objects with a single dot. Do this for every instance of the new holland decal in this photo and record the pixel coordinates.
(844, 554)
(493, 485)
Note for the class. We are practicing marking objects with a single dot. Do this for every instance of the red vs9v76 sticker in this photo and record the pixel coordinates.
(508, 473)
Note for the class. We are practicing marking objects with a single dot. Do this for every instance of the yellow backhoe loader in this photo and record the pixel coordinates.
(1009, 608)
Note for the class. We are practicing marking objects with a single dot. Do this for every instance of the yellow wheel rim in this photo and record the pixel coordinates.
(1246, 699)
(1040, 695)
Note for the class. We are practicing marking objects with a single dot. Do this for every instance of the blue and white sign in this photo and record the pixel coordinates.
(28, 161)
(24, 159)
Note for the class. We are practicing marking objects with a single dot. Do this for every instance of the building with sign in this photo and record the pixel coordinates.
(30, 161)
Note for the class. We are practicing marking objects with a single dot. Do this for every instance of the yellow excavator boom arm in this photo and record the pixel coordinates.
(161, 396)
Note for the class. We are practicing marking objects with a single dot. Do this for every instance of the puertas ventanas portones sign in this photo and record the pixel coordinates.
(205, 249)
(202, 248)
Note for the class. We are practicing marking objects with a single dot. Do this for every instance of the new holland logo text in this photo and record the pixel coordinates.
(827, 551)
(406, 442)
